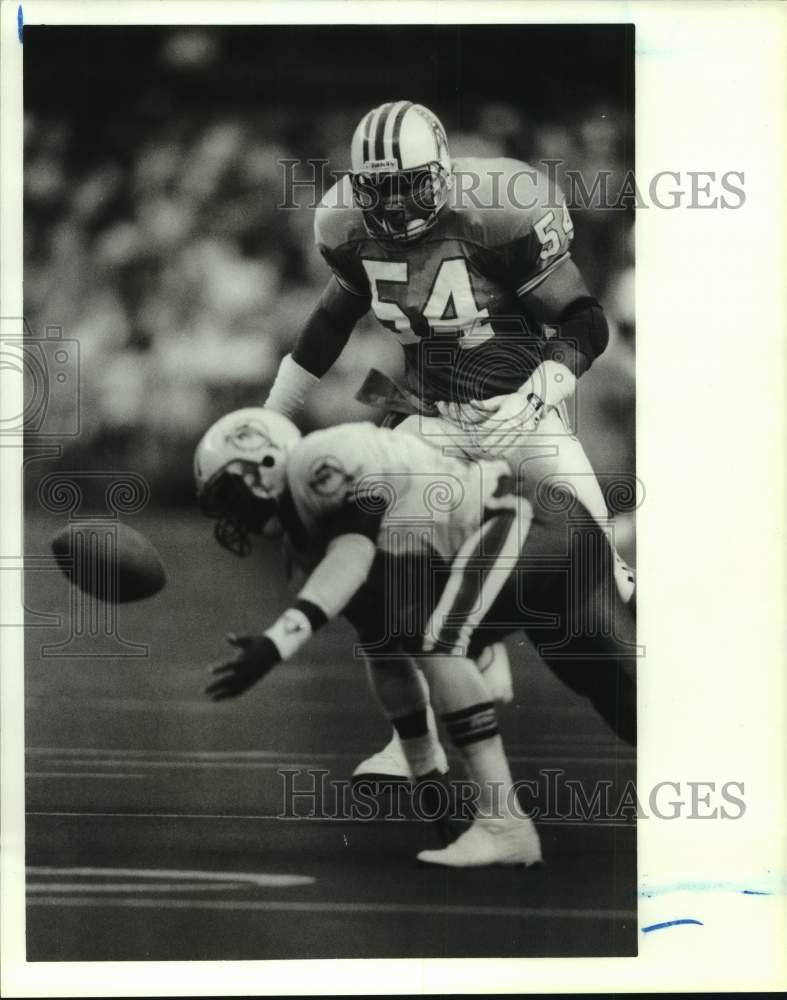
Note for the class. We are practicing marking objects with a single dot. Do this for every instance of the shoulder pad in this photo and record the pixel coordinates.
(337, 221)
(324, 464)
(500, 199)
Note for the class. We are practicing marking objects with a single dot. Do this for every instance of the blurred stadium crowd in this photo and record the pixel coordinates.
(165, 254)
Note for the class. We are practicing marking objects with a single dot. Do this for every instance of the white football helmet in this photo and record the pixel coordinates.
(401, 170)
(240, 472)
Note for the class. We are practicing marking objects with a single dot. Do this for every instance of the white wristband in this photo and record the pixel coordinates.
(289, 388)
(551, 382)
(289, 632)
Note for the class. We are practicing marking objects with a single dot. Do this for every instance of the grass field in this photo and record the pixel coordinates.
(152, 829)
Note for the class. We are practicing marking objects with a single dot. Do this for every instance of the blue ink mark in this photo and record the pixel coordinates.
(778, 886)
(20, 23)
(670, 923)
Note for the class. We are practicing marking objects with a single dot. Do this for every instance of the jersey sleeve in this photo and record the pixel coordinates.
(338, 226)
(531, 230)
(340, 574)
(530, 258)
(328, 488)
(347, 269)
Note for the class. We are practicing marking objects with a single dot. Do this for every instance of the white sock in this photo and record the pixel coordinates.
(421, 753)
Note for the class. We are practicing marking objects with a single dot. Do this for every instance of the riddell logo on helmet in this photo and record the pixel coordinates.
(377, 165)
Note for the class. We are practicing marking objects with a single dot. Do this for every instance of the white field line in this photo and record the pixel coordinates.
(170, 764)
(265, 879)
(97, 888)
(623, 824)
(258, 758)
(83, 774)
(553, 913)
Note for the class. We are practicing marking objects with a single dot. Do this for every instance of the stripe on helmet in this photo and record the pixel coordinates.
(391, 126)
(396, 131)
(378, 151)
(371, 131)
(367, 132)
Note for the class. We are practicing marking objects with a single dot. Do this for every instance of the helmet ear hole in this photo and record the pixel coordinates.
(268, 461)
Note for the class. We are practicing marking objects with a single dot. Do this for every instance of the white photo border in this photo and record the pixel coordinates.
(712, 554)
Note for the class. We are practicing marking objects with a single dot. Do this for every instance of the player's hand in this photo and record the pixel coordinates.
(510, 419)
(257, 655)
(477, 411)
(468, 414)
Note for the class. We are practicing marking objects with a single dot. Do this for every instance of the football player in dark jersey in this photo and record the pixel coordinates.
(468, 264)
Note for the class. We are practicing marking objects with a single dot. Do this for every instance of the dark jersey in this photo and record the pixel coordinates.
(454, 298)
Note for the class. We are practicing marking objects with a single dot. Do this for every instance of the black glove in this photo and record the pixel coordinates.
(257, 656)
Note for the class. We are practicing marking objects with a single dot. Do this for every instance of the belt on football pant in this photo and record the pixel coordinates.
(379, 389)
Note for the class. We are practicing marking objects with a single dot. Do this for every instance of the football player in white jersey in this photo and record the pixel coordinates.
(427, 556)
(467, 262)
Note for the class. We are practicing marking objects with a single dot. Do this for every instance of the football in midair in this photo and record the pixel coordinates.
(109, 560)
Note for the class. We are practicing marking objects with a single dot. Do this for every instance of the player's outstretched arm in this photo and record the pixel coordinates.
(331, 586)
(319, 344)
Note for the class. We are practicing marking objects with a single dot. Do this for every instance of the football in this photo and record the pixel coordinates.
(109, 560)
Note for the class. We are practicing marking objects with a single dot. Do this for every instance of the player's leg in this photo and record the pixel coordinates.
(594, 650)
(598, 655)
(552, 452)
(403, 694)
(499, 833)
(480, 570)
(493, 662)
(390, 763)
(564, 596)
(537, 456)
(494, 666)
(544, 460)
(478, 573)
(608, 681)
(550, 459)
(381, 622)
